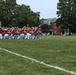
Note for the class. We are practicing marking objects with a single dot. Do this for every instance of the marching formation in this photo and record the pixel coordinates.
(20, 33)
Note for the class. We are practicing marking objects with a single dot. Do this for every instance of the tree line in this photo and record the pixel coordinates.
(13, 14)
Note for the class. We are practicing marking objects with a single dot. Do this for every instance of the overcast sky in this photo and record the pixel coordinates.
(47, 8)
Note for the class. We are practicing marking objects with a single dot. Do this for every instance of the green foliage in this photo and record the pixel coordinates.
(67, 14)
(13, 14)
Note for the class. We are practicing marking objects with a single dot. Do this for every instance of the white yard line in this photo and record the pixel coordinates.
(51, 66)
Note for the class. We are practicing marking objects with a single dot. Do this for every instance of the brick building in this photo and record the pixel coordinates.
(49, 25)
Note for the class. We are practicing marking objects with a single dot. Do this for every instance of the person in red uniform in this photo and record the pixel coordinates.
(16, 33)
(32, 33)
(6, 33)
(9, 31)
(22, 33)
(38, 32)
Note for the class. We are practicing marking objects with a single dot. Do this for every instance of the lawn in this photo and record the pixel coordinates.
(53, 50)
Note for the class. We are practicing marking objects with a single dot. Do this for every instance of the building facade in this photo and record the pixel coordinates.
(51, 26)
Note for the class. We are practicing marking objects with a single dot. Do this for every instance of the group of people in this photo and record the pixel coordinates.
(18, 33)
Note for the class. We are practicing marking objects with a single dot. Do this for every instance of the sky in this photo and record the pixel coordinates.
(47, 8)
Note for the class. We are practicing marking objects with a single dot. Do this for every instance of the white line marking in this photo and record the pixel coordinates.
(51, 66)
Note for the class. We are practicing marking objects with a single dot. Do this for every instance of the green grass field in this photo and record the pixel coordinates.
(53, 50)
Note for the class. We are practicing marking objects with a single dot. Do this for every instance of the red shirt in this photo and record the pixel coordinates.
(16, 30)
(22, 31)
(38, 30)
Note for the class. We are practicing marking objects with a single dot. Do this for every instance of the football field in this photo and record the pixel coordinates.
(50, 55)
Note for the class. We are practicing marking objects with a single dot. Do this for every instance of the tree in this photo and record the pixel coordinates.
(25, 16)
(6, 14)
(67, 14)
(13, 14)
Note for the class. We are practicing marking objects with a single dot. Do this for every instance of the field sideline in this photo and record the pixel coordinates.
(56, 50)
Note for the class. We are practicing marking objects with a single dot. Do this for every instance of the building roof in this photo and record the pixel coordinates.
(49, 20)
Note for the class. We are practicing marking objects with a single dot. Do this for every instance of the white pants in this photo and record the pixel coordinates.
(1, 36)
(22, 35)
(28, 35)
(6, 36)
